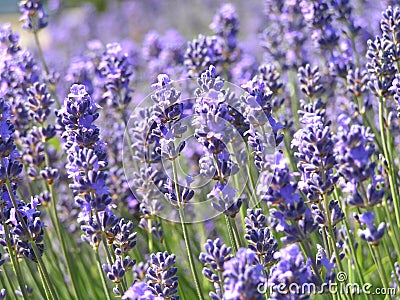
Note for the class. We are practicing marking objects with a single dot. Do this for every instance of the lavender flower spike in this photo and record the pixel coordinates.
(161, 276)
(33, 14)
(242, 276)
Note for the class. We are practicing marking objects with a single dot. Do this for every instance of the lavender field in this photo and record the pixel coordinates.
(200, 149)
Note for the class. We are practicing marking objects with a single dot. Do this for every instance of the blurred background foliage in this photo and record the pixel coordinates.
(189, 18)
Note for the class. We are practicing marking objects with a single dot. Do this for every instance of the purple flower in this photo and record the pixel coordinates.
(242, 276)
(214, 259)
(117, 270)
(396, 89)
(284, 36)
(23, 219)
(33, 14)
(315, 156)
(163, 54)
(259, 237)
(371, 233)
(139, 291)
(323, 261)
(291, 268)
(201, 53)
(226, 24)
(395, 276)
(117, 72)
(161, 276)
(354, 147)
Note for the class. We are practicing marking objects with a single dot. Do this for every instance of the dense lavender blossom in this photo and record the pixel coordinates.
(164, 54)
(22, 219)
(284, 37)
(317, 15)
(214, 259)
(117, 71)
(309, 163)
(396, 88)
(202, 53)
(371, 233)
(380, 66)
(259, 237)
(139, 291)
(315, 157)
(213, 113)
(290, 268)
(291, 216)
(33, 14)
(86, 152)
(242, 276)
(226, 25)
(354, 149)
(161, 276)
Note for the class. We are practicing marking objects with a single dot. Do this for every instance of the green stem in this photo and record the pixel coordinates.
(31, 241)
(392, 177)
(378, 261)
(190, 255)
(103, 239)
(185, 233)
(293, 98)
(309, 254)
(10, 282)
(56, 223)
(102, 275)
(236, 234)
(15, 263)
(231, 235)
(35, 279)
(150, 235)
(46, 286)
(43, 269)
(331, 235)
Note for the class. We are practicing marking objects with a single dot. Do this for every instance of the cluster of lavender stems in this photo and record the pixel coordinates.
(251, 165)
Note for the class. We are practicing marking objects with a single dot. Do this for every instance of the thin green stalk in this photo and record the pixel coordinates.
(392, 179)
(15, 263)
(56, 223)
(43, 269)
(252, 186)
(3, 283)
(102, 275)
(236, 234)
(378, 261)
(231, 235)
(190, 255)
(331, 235)
(103, 239)
(46, 286)
(185, 233)
(293, 98)
(308, 252)
(180, 291)
(31, 242)
(38, 284)
(150, 235)
(11, 283)
(351, 245)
